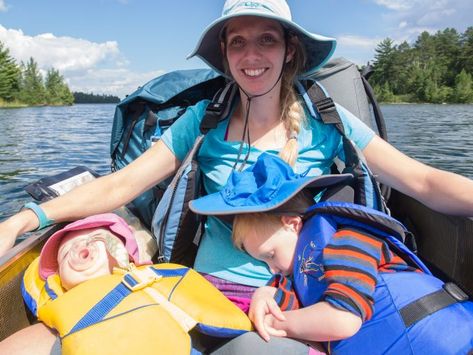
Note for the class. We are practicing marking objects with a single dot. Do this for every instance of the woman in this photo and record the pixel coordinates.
(257, 44)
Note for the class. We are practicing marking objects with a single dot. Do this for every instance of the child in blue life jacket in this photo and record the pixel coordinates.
(356, 286)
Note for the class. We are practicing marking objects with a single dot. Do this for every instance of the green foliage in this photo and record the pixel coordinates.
(463, 90)
(32, 88)
(24, 84)
(57, 91)
(427, 71)
(85, 98)
(10, 76)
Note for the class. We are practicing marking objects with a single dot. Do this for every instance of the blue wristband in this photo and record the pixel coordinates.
(44, 221)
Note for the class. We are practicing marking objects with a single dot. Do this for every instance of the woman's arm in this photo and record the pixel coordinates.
(101, 195)
(440, 190)
(318, 322)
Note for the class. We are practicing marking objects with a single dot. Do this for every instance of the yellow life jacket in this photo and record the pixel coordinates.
(147, 310)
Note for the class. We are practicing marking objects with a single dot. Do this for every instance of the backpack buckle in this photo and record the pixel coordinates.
(138, 279)
(216, 108)
(325, 105)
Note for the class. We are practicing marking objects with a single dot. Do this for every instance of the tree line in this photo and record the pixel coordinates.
(436, 68)
(86, 98)
(23, 84)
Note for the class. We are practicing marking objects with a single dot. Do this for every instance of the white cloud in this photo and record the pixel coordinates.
(355, 48)
(3, 6)
(429, 14)
(395, 4)
(87, 66)
(403, 24)
(119, 81)
(63, 53)
(357, 41)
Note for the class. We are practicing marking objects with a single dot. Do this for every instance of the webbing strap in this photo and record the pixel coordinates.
(102, 308)
(431, 303)
(98, 312)
(325, 107)
(171, 272)
(219, 108)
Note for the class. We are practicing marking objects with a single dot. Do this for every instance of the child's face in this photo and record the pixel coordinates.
(275, 249)
(82, 255)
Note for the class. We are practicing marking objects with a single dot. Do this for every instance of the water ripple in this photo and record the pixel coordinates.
(43, 141)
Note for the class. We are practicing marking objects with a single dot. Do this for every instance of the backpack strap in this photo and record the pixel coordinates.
(325, 106)
(219, 108)
(322, 106)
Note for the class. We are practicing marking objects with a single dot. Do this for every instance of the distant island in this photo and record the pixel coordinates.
(91, 98)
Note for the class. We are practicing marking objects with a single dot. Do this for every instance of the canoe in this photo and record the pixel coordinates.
(444, 242)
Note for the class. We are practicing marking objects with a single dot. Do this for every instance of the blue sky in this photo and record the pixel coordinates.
(112, 46)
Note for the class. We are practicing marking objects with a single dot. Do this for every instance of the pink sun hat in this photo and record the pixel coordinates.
(48, 264)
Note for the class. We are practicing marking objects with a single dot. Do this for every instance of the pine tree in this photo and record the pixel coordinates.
(384, 63)
(10, 75)
(57, 91)
(466, 57)
(463, 90)
(32, 88)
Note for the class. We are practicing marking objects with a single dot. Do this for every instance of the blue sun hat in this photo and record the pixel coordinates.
(319, 48)
(264, 186)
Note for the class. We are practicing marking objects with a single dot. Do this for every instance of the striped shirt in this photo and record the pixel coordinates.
(351, 261)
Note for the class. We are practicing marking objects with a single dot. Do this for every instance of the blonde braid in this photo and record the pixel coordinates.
(292, 112)
(293, 117)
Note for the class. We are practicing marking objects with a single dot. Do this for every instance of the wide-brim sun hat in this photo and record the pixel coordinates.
(319, 48)
(265, 186)
(48, 264)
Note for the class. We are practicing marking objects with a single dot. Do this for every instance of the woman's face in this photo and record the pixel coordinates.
(255, 49)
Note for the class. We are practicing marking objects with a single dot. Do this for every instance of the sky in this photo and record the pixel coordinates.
(114, 46)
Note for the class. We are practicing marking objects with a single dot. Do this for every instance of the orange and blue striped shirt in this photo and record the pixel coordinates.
(351, 262)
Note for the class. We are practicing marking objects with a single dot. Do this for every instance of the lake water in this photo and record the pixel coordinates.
(43, 141)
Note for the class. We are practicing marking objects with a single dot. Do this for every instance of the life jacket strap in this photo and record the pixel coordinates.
(134, 280)
(431, 303)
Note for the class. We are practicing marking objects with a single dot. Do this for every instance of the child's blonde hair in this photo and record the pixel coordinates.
(264, 223)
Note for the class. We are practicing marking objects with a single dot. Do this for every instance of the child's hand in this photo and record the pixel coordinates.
(264, 310)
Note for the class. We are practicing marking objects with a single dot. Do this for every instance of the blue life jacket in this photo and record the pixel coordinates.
(414, 313)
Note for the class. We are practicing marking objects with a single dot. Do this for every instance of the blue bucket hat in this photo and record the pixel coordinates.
(319, 48)
(264, 186)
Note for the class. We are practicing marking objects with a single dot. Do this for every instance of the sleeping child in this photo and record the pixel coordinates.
(357, 287)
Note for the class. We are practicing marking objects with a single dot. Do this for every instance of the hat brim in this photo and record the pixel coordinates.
(48, 264)
(215, 205)
(319, 48)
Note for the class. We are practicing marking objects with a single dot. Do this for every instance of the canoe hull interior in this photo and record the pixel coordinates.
(445, 243)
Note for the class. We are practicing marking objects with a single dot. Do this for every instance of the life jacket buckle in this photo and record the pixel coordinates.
(138, 279)
(455, 291)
